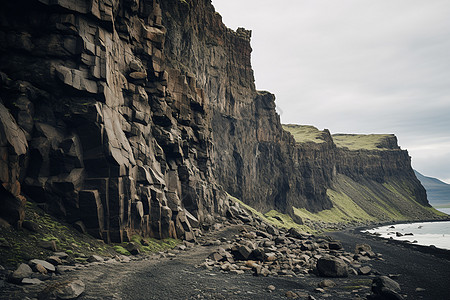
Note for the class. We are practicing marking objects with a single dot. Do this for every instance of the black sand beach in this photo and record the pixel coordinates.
(420, 267)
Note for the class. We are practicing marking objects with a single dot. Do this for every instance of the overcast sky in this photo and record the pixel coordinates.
(356, 66)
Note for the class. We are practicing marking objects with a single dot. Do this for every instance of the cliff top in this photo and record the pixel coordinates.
(366, 141)
(305, 133)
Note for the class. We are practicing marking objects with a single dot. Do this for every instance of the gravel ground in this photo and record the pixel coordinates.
(177, 276)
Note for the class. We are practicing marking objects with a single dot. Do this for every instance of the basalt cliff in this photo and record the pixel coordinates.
(128, 116)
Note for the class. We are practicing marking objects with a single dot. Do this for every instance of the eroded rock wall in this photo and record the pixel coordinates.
(253, 158)
(96, 126)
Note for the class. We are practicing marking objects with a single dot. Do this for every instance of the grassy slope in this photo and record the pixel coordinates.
(360, 141)
(304, 133)
(361, 201)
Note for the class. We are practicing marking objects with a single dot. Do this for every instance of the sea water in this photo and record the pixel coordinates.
(424, 233)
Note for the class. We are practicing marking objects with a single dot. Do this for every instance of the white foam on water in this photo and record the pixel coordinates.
(424, 233)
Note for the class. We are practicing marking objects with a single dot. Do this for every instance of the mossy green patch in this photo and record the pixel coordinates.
(305, 133)
(121, 250)
(148, 244)
(25, 245)
(361, 141)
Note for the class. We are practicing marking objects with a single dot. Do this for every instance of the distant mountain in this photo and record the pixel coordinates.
(438, 192)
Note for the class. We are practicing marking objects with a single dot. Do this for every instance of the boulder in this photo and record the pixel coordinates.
(133, 248)
(20, 273)
(381, 284)
(335, 245)
(68, 289)
(332, 267)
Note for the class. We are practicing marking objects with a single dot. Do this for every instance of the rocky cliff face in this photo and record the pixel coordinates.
(96, 126)
(128, 116)
(369, 172)
(254, 159)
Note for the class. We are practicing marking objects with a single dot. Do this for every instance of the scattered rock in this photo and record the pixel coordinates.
(327, 283)
(54, 260)
(40, 268)
(31, 281)
(45, 264)
(332, 267)
(383, 283)
(20, 273)
(335, 245)
(68, 289)
(291, 294)
(61, 255)
(364, 270)
(49, 245)
(271, 288)
(95, 258)
(133, 248)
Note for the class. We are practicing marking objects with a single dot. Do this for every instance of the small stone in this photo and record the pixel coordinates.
(45, 264)
(49, 245)
(335, 245)
(291, 294)
(420, 290)
(20, 273)
(327, 283)
(31, 281)
(215, 256)
(54, 260)
(40, 268)
(133, 248)
(95, 258)
(319, 290)
(271, 288)
(364, 270)
(61, 255)
(383, 283)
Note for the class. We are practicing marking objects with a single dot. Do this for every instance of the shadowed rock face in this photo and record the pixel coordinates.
(136, 116)
(96, 126)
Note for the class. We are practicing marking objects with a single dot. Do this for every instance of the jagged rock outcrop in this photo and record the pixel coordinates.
(254, 159)
(96, 126)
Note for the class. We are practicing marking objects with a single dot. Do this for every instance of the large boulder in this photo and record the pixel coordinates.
(332, 267)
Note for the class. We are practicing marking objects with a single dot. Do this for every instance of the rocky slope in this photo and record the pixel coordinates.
(127, 116)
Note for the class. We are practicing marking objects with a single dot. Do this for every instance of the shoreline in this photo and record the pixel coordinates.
(431, 249)
(421, 271)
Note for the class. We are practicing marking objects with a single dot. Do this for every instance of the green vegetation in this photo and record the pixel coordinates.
(273, 217)
(22, 245)
(121, 250)
(285, 221)
(147, 245)
(344, 210)
(361, 141)
(305, 133)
